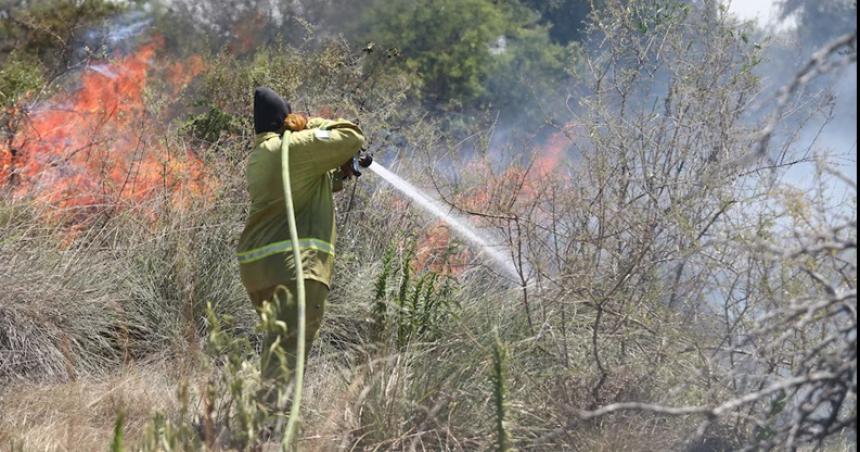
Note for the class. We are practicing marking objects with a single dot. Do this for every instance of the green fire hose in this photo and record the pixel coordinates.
(300, 293)
(364, 161)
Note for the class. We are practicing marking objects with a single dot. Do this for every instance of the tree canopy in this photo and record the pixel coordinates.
(468, 52)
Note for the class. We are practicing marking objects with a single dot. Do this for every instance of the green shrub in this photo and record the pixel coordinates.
(418, 309)
(20, 76)
(211, 124)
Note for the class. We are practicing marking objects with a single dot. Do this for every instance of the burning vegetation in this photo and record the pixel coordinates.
(97, 146)
(671, 285)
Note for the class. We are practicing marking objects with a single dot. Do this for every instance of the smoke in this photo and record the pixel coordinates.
(219, 18)
(833, 128)
(117, 36)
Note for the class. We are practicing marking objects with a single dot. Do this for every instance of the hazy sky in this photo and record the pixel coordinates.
(764, 11)
(841, 134)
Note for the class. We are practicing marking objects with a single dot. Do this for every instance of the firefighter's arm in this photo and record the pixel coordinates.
(316, 122)
(326, 146)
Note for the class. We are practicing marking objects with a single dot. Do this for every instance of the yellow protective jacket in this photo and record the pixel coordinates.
(265, 249)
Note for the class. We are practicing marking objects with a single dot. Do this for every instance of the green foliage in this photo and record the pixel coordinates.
(446, 41)
(458, 46)
(530, 70)
(423, 306)
(405, 276)
(567, 19)
(421, 303)
(647, 17)
(223, 86)
(117, 443)
(210, 125)
(328, 81)
(379, 309)
(46, 29)
(20, 76)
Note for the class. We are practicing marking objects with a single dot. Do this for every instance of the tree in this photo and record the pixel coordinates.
(468, 52)
(567, 19)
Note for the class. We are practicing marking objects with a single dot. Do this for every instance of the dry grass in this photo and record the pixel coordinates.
(80, 414)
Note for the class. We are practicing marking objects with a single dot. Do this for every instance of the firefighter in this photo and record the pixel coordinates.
(320, 157)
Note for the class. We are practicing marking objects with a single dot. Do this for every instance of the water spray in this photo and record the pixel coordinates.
(439, 210)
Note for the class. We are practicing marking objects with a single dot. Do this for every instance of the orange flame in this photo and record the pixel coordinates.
(516, 186)
(433, 252)
(97, 147)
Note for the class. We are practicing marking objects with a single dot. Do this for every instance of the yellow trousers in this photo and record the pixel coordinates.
(272, 377)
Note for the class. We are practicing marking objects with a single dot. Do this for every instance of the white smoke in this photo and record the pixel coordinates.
(794, 30)
(119, 34)
(218, 17)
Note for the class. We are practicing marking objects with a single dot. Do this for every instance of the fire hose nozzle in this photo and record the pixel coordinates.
(365, 160)
(362, 160)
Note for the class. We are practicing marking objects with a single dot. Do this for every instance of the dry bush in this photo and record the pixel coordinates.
(650, 262)
(661, 245)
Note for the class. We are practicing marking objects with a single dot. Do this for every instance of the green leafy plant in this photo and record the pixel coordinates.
(20, 75)
(211, 124)
(118, 434)
(47, 29)
(379, 308)
(421, 304)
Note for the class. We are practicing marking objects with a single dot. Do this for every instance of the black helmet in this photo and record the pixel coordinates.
(270, 110)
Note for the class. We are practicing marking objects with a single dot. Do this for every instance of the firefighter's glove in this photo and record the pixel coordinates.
(349, 169)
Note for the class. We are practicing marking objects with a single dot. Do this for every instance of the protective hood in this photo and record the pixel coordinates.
(270, 110)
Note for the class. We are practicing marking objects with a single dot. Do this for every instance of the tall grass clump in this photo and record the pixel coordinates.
(379, 308)
(117, 287)
(224, 413)
(59, 319)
